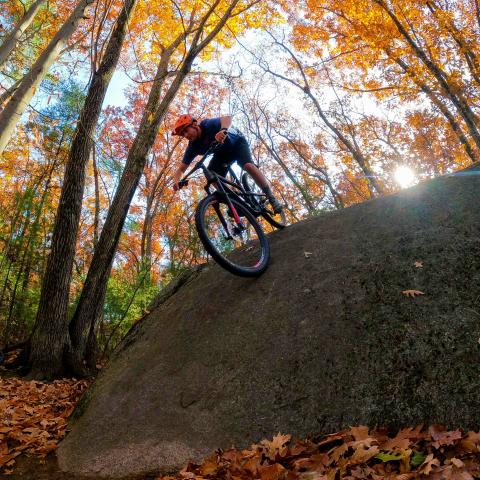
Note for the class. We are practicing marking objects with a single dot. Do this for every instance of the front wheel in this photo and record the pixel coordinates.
(237, 244)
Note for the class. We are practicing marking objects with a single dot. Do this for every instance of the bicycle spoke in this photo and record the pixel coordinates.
(238, 242)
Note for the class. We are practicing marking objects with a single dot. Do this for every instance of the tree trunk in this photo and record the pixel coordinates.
(324, 176)
(87, 312)
(25, 265)
(146, 244)
(9, 44)
(8, 93)
(86, 316)
(96, 219)
(23, 94)
(51, 319)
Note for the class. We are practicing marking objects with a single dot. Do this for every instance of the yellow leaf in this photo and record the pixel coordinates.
(209, 467)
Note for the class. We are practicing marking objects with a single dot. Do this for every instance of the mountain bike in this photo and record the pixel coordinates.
(227, 220)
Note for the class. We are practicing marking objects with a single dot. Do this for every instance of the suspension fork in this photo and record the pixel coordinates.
(228, 235)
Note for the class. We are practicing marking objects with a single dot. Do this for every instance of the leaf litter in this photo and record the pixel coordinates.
(351, 454)
(34, 416)
(34, 419)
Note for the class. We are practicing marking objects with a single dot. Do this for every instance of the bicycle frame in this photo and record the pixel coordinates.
(222, 187)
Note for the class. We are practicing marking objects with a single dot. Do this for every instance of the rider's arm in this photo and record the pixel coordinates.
(177, 176)
(188, 156)
(225, 122)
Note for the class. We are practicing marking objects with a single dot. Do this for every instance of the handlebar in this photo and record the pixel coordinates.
(184, 182)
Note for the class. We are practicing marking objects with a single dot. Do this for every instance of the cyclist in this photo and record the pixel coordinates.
(200, 136)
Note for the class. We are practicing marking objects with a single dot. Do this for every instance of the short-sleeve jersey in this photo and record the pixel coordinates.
(210, 127)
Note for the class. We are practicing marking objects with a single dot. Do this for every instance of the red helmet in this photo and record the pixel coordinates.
(183, 121)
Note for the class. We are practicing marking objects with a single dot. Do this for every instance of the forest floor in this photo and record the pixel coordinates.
(34, 419)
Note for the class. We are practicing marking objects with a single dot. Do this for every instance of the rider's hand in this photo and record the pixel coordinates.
(176, 179)
(221, 135)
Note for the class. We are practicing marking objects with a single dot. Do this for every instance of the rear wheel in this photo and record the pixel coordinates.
(277, 220)
(241, 248)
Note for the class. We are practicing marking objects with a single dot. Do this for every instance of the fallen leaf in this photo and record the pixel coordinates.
(209, 467)
(412, 293)
(308, 254)
(253, 465)
(443, 438)
(472, 442)
(418, 264)
(427, 466)
(360, 432)
(417, 459)
(276, 445)
(457, 462)
(362, 455)
(389, 456)
(272, 472)
(5, 459)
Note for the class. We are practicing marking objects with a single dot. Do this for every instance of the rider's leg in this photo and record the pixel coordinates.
(262, 182)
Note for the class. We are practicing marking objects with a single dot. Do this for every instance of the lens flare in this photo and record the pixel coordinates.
(405, 176)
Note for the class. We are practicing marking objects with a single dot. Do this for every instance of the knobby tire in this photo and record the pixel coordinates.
(222, 260)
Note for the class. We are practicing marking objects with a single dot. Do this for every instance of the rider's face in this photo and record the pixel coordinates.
(191, 133)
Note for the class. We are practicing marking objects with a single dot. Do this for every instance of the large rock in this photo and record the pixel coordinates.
(325, 338)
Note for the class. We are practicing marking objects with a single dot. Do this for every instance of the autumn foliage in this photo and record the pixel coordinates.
(355, 453)
(35, 416)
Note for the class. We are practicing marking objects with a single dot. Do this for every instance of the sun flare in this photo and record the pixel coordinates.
(405, 176)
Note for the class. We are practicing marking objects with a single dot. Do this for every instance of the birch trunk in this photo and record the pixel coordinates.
(23, 94)
(11, 42)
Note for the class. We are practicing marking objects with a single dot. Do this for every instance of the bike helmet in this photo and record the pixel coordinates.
(183, 121)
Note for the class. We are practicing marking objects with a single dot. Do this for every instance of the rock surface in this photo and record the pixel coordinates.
(320, 341)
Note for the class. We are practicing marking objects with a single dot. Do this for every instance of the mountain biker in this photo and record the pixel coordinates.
(200, 136)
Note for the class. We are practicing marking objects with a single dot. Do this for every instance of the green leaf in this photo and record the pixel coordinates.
(417, 459)
(389, 456)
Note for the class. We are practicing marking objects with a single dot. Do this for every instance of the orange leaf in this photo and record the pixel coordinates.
(209, 467)
(7, 458)
(412, 293)
(272, 472)
(252, 465)
(360, 432)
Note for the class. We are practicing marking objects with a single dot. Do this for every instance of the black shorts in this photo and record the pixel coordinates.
(239, 152)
